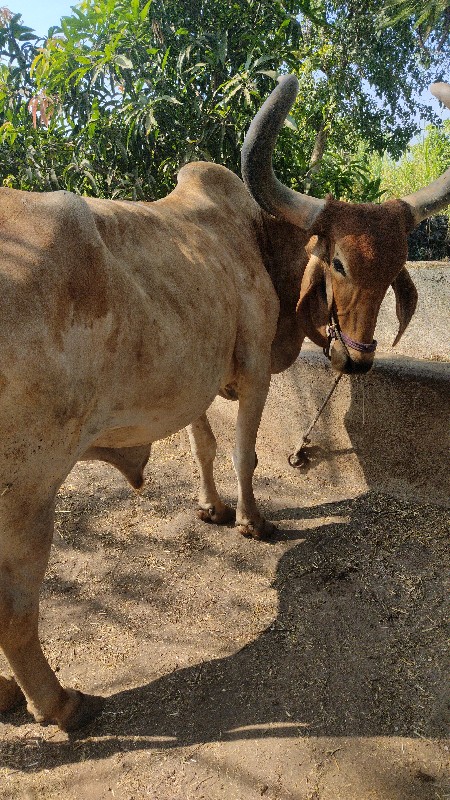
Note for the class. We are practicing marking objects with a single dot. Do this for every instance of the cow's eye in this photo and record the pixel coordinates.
(338, 266)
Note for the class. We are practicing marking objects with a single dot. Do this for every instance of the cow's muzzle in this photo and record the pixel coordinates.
(342, 360)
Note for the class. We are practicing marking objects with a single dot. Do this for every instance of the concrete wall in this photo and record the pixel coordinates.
(427, 336)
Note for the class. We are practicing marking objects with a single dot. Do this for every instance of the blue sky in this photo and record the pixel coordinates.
(41, 14)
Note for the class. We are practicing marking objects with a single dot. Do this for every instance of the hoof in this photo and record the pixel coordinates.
(87, 708)
(258, 530)
(222, 515)
(11, 695)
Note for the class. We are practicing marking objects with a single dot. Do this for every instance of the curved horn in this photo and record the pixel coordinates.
(436, 195)
(256, 161)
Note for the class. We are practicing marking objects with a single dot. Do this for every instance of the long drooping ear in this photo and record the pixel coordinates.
(312, 308)
(405, 301)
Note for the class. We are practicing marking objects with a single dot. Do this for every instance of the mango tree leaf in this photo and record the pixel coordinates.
(123, 62)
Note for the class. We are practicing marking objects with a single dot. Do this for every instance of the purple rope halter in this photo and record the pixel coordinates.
(334, 332)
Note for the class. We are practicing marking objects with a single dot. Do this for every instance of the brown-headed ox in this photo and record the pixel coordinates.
(120, 322)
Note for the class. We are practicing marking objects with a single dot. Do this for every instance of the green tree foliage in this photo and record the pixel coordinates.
(423, 161)
(431, 21)
(124, 92)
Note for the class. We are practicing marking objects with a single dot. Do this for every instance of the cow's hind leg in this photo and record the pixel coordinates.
(11, 695)
(203, 446)
(25, 538)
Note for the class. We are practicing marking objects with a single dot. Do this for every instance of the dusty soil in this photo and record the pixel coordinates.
(308, 668)
(311, 667)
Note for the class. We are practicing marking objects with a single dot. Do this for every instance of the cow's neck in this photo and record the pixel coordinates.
(283, 251)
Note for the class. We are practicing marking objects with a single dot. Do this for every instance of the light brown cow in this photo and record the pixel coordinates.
(120, 322)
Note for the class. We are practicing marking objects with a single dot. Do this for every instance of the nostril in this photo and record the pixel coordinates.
(340, 359)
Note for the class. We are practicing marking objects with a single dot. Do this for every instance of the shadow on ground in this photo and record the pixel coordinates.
(355, 650)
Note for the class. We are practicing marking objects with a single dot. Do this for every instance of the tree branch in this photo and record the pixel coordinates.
(316, 156)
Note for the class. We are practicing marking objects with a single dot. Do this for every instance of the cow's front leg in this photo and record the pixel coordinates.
(252, 397)
(203, 446)
(25, 540)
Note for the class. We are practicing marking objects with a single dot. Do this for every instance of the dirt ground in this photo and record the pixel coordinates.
(311, 667)
(306, 668)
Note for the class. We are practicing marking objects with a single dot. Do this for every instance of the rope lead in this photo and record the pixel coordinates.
(298, 458)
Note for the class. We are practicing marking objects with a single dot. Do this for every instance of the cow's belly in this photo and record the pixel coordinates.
(131, 429)
(152, 398)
